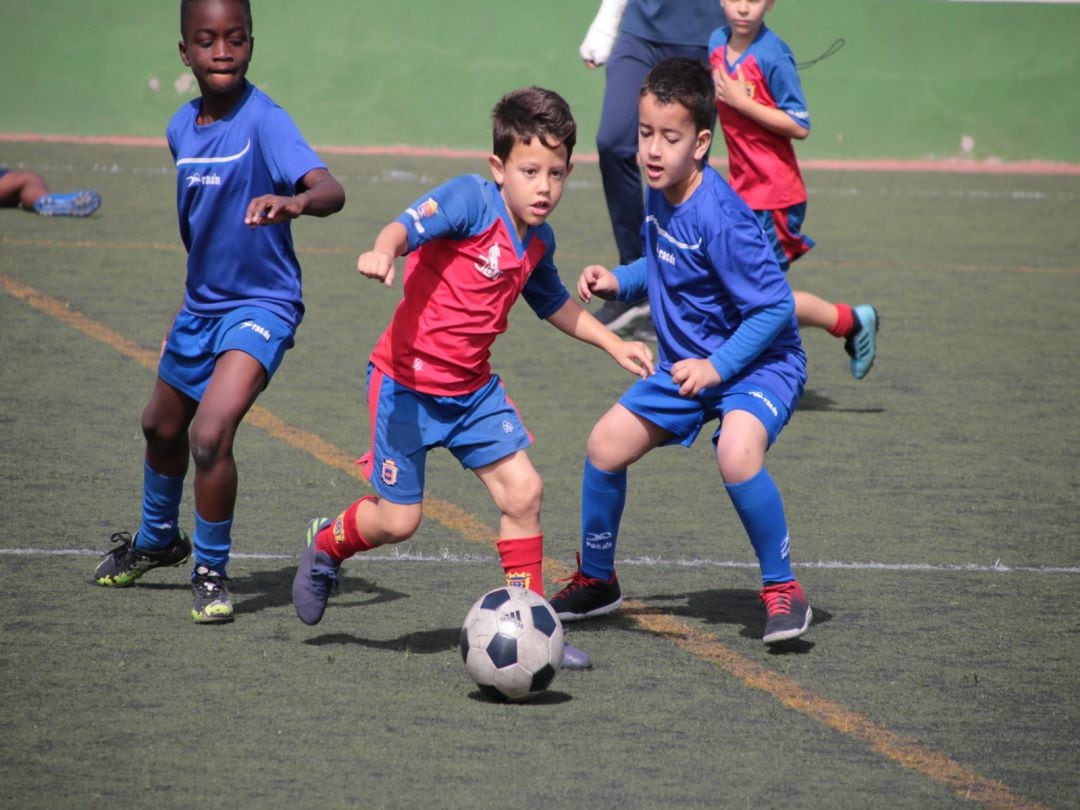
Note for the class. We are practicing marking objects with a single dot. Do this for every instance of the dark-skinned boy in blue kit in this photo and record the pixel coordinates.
(729, 349)
(244, 172)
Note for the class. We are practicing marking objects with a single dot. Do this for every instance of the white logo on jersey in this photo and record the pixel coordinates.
(196, 179)
(417, 364)
(507, 426)
(665, 255)
(490, 266)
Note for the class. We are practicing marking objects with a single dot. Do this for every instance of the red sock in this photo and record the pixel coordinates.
(522, 560)
(340, 540)
(845, 321)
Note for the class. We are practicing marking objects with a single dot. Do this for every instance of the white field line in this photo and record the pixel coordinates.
(443, 556)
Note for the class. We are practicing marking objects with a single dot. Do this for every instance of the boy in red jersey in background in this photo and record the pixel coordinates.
(762, 109)
(474, 247)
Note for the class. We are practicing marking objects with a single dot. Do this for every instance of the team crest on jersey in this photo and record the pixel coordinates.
(425, 209)
(389, 472)
(489, 267)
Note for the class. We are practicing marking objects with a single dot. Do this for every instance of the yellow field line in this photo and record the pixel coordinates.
(905, 751)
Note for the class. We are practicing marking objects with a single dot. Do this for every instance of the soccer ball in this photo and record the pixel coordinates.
(512, 643)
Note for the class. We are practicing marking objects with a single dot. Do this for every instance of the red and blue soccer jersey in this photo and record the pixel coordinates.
(762, 166)
(466, 268)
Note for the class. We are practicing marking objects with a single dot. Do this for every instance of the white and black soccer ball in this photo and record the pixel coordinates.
(512, 643)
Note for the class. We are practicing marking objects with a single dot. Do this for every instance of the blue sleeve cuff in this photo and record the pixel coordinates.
(633, 280)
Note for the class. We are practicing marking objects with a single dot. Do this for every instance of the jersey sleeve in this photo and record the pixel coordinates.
(746, 265)
(633, 280)
(545, 292)
(454, 209)
(786, 87)
(285, 150)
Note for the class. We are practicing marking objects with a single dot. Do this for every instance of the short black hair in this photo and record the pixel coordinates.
(685, 81)
(534, 112)
(187, 5)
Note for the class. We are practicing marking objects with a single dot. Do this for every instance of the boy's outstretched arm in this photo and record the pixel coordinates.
(577, 322)
(378, 263)
(322, 195)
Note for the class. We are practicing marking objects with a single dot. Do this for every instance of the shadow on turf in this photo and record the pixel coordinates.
(813, 401)
(423, 642)
(547, 698)
(738, 606)
(261, 590)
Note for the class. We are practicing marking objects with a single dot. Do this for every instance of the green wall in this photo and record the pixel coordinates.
(913, 78)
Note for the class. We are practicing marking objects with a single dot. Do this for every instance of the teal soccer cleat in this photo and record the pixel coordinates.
(862, 343)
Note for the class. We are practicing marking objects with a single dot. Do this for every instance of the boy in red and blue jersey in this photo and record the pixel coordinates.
(474, 246)
(762, 110)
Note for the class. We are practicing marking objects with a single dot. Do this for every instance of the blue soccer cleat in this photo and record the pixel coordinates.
(862, 343)
(76, 204)
(316, 576)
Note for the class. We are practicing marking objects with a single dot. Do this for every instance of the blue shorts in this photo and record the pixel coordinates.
(657, 399)
(783, 229)
(478, 428)
(194, 344)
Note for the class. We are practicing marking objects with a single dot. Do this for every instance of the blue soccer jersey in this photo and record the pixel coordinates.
(707, 268)
(256, 149)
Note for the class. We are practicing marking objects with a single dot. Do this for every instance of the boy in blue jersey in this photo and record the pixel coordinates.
(729, 349)
(762, 110)
(628, 37)
(474, 247)
(243, 173)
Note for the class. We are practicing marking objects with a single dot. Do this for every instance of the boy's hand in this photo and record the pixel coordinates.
(378, 265)
(597, 279)
(635, 356)
(270, 209)
(735, 92)
(693, 375)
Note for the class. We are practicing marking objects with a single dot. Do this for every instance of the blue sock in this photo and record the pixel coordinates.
(212, 542)
(762, 513)
(603, 496)
(160, 509)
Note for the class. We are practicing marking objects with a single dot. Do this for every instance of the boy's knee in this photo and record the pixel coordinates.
(524, 498)
(395, 524)
(157, 430)
(209, 443)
